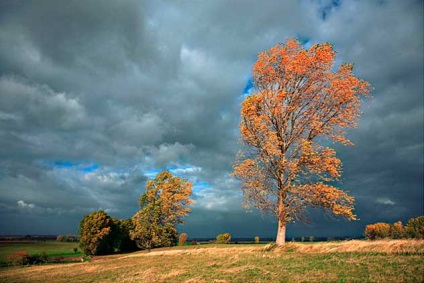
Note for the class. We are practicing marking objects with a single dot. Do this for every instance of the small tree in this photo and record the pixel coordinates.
(223, 238)
(257, 239)
(96, 233)
(415, 228)
(182, 239)
(163, 205)
(311, 239)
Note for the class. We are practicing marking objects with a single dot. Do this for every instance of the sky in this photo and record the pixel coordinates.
(96, 97)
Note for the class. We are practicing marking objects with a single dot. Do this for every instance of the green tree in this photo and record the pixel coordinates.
(163, 205)
(415, 228)
(95, 233)
(122, 239)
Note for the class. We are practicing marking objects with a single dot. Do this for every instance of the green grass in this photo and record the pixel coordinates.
(51, 248)
(238, 263)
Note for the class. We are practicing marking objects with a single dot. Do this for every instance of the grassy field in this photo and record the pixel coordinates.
(51, 248)
(350, 261)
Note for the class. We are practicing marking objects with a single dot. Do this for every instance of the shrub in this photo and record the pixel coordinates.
(38, 258)
(396, 230)
(257, 239)
(194, 243)
(377, 231)
(302, 239)
(311, 239)
(223, 238)
(415, 228)
(182, 239)
(18, 258)
(75, 250)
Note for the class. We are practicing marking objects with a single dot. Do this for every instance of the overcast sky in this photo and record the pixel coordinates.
(96, 97)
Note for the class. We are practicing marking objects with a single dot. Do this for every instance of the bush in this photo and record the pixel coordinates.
(415, 228)
(396, 230)
(223, 238)
(182, 239)
(377, 231)
(257, 240)
(38, 258)
(194, 243)
(311, 239)
(18, 258)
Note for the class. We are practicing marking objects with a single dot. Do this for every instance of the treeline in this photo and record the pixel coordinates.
(162, 207)
(67, 238)
(414, 229)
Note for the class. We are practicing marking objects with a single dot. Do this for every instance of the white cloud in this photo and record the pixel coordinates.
(24, 205)
(385, 200)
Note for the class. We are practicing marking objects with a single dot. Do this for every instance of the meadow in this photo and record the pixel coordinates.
(53, 249)
(345, 261)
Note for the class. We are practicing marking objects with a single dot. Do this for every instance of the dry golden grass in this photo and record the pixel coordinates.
(350, 261)
(361, 246)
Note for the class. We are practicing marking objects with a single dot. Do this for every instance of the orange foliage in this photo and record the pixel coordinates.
(172, 195)
(379, 230)
(163, 205)
(298, 102)
(95, 233)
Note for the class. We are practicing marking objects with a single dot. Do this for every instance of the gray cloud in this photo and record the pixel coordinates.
(98, 96)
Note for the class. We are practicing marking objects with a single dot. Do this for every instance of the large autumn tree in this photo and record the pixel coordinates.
(162, 207)
(299, 102)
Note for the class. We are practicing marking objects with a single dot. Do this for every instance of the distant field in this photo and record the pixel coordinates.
(350, 261)
(51, 248)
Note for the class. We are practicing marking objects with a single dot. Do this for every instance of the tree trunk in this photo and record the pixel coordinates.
(281, 233)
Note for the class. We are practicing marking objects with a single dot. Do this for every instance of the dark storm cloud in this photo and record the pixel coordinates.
(133, 87)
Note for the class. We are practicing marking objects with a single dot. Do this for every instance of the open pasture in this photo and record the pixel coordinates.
(51, 248)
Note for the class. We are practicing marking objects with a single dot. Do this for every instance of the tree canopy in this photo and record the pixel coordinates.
(96, 233)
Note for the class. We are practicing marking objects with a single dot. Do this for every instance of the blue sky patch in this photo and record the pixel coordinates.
(249, 88)
(78, 166)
